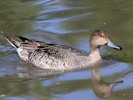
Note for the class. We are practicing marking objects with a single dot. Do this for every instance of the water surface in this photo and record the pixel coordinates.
(66, 22)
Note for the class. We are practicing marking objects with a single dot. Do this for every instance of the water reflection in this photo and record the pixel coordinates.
(30, 72)
(38, 81)
(100, 87)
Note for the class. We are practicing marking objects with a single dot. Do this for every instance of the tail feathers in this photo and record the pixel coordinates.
(13, 42)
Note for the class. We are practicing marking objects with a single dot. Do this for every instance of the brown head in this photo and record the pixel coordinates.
(99, 38)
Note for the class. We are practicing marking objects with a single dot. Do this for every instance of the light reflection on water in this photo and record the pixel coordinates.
(65, 22)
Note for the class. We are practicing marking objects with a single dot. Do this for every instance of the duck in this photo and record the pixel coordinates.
(61, 57)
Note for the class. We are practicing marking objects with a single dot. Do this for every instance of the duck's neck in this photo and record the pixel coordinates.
(94, 55)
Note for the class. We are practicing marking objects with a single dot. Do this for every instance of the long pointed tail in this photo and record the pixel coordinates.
(13, 42)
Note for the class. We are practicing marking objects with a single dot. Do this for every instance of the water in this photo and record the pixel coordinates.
(66, 22)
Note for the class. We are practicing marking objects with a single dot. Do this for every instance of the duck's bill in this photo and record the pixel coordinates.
(112, 45)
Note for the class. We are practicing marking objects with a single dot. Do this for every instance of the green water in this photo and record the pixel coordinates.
(66, 22)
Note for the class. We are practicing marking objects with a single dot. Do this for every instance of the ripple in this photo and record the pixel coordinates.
(57, 25)
(118, 67)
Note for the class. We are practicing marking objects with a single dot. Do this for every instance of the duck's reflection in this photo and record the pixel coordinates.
(100, 87)
(31, 72)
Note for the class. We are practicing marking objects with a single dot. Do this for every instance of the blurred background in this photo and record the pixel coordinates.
(68, 22)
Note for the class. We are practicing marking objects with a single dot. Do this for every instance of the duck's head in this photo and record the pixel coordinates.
(99, 38)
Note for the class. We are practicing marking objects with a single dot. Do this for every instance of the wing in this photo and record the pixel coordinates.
(53, 50)
(30, 45)
(60, 51)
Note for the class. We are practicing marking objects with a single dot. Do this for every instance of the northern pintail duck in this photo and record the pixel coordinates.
(61, 57)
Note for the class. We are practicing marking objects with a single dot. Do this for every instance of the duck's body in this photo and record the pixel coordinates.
(57, 57)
